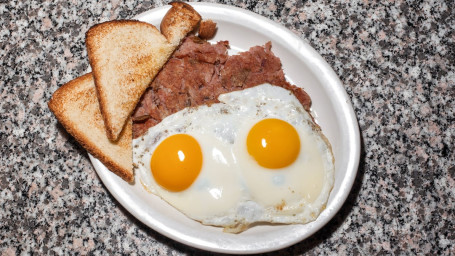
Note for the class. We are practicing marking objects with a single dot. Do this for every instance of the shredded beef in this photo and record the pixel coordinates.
(198, 72)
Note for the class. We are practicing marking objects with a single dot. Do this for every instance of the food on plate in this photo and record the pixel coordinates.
(200, 71)
(76, 107)
(210, 162)
(125, 56)
(198, 133)
(130, 61)
(224, 139)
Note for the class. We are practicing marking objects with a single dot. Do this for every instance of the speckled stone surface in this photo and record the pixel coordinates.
(396, 60)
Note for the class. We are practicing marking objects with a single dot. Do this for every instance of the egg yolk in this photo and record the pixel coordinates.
(176, 162)
(273, 143)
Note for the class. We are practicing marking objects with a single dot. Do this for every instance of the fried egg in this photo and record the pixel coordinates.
(255, 157)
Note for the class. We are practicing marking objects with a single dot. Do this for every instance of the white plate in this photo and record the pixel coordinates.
(332, 109)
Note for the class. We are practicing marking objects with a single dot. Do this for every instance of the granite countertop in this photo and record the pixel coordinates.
(396, 60)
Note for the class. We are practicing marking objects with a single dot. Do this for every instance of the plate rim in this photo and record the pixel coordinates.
(110, 180)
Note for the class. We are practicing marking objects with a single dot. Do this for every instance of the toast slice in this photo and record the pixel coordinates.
(75, 105)
(125, 56)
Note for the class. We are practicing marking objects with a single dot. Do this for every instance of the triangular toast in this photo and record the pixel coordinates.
(125, 56)
(75, 105)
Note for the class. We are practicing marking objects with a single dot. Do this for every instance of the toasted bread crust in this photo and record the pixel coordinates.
(207, 29)
(125, 56)
(76, 107)
(180, 20)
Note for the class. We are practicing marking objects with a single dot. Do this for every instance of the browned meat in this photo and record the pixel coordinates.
(201, 50)
(198, 72)
(257, 66)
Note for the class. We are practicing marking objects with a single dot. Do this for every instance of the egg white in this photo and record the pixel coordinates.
(233, 191)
